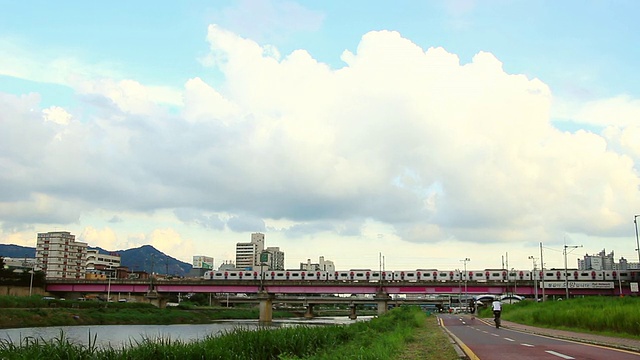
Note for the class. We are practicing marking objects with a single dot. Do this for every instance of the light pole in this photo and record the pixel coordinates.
(635, 221)
(535, 280)
(566, 277)
(465, 276)
(264, 257)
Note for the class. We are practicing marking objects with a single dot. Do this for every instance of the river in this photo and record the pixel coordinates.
(119, 336)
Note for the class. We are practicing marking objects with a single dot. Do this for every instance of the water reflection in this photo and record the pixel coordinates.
(118, 336)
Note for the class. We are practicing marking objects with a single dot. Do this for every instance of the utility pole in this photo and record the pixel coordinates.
(542, 267)
(566, 276)
(535, 279)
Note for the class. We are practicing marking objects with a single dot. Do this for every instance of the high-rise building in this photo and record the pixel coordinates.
(603, 261)
(276, 258)
(248, 254)
(59, 255)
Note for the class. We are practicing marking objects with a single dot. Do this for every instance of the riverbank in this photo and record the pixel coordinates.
(403, 333)
(37, 317)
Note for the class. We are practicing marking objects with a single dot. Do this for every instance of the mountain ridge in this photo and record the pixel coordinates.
(144, 258)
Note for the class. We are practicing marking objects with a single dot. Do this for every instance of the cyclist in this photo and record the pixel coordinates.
(497, 310)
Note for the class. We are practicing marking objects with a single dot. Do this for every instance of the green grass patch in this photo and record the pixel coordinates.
(597, 314)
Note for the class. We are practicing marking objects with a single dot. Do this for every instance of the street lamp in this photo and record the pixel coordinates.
(566, 277)
(535, 280)
(264, 257)
(465, 276)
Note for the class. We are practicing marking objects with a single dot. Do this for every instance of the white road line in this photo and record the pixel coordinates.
(495, 334)
(559, 355)
(509, 339)
(528, 345)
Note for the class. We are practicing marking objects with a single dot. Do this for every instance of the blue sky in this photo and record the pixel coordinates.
(415, 129)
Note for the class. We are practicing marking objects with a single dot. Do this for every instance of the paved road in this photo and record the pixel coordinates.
(485, 342)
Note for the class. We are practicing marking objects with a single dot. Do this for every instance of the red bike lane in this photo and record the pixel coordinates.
(483, 341)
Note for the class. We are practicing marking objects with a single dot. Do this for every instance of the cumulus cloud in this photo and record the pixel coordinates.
(57, 115)
(106, 238)
(434, 149)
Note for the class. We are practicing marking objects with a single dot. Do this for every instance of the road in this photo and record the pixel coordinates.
(489, 343)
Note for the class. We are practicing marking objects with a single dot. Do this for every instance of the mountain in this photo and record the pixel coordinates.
(145, 258)
(17, 251)
(149, 259)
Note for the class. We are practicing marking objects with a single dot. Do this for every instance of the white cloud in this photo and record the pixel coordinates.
(428, 151)
(619, 111)
(56, 115)
(105, 238)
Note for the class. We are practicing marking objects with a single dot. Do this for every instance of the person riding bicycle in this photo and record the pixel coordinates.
(497, 310)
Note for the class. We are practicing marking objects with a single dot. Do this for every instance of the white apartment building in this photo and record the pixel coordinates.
(604, 261)
(102, 264)
(248, 254)
(59, 255)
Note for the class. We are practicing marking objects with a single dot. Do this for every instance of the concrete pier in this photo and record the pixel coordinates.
(266, 307)
(382, 299)
(309, 313)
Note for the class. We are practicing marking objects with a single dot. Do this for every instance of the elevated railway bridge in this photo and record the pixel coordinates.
(309, 293)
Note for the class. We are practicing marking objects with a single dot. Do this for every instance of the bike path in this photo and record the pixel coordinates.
(481, 340)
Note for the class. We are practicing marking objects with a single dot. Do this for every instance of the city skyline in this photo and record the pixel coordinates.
(426, 132)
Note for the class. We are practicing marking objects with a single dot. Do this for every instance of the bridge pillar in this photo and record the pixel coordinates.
(352, 314)
(309, 313)
(266, 306)
(382, 299)
(155, 299)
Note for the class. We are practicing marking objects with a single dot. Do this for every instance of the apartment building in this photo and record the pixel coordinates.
(102, 264)
(248, 254)
(59, 255)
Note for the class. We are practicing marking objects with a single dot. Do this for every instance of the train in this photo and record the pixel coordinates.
(426, 275)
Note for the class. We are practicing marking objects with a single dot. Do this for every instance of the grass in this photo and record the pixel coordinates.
(613, 316)
(403, 333)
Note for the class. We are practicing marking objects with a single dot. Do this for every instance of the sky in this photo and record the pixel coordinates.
(404, 135)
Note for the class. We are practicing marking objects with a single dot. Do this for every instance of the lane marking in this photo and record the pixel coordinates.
(559, 355)
(509, 339)
(529, 345)
(495, 335)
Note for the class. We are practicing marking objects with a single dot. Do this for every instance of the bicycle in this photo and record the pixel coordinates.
(496, 318)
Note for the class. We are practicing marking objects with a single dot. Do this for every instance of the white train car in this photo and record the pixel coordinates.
(359, 275)
(427, 275)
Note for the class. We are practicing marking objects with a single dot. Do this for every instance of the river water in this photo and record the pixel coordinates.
(119, 336)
